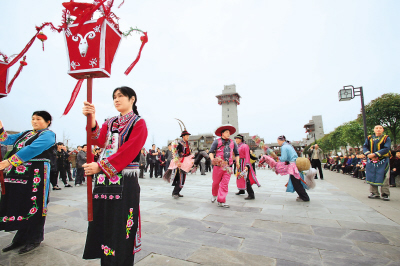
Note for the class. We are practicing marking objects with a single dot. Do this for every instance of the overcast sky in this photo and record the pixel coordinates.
(288, 60)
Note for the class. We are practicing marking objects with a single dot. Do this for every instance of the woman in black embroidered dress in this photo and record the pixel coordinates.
(27, 179)
(114, 233)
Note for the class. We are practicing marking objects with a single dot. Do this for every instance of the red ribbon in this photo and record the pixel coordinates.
(74, 94)
(23, 63)
(144, 40)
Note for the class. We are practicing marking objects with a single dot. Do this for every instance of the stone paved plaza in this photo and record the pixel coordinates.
(340, 226)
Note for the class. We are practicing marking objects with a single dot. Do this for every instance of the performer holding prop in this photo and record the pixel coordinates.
(287, 165)
(181, 163)
(245, 174)
(27, 181)
(222, 152)
(114, 234)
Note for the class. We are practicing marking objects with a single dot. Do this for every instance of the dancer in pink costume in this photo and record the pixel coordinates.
(247, 177)
(281, 168)
(224, 150)
(287, 166)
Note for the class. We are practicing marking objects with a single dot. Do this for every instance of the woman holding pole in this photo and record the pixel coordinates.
(114, 234)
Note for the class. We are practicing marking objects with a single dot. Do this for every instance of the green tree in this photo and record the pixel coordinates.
(353, 133)
(385, 111)
(325, 143)
(337, 138)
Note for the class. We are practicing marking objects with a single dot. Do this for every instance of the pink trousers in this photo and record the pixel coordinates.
(220, 183)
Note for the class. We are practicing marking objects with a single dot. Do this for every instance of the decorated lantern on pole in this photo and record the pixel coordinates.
(92, 50)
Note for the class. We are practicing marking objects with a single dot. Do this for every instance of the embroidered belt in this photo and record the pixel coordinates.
(132, 166)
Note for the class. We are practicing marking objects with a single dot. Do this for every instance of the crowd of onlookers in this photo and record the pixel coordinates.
(354, 165)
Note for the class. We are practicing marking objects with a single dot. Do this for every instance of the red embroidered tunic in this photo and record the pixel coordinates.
(128, 148)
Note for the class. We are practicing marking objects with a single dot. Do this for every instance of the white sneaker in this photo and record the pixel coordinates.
(213, 199)
(220, 204)
(77, 185)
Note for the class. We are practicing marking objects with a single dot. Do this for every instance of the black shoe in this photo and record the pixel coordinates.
(56, 188)
(316, 177)
(385, 197)
(180, 195)
(67, 185)
(28, 247)
(239, 193)
(11, 247)
(249, 198)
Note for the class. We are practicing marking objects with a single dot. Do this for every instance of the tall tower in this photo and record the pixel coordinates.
(229, 100)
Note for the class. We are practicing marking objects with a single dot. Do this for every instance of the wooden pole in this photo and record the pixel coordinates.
(89, 151)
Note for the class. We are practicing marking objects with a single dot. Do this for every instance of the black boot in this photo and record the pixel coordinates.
(12, 246)
(28, 247)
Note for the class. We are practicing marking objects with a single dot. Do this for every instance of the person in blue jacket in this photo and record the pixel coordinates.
(27, 179)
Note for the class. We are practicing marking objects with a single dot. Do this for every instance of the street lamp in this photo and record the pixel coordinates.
(348, 93)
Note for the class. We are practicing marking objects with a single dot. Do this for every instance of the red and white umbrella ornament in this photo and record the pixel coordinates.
(91, 46)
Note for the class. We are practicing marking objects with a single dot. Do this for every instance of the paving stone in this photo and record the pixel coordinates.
(43, 256)
(155, 259)
(73, 224)
(151, 217)
(283, 227)
(169, 247)
(369, 226)
(67, 241)
(367, 236)
(247, 232)
(219, 256)
(319, 242)
(197, 225)
(210, 239)
(311, 221)
(336, 258)
(141, 255)
(380, 250)
(329, 216)
(296, 213)
(280, 262)
(245, 209)
(393, 237)
(153, 228)
(77, 214)
(229, 220)
(330, 231)
(308, 256)
(60, 209)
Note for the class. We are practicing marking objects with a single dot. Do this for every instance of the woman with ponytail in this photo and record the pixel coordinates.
(114, 234)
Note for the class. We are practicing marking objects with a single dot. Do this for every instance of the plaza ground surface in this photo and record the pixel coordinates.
(339, 226)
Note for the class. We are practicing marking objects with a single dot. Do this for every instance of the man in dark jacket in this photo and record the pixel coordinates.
(142, 163)
(153, 153)
(394, 168)
(80, 160)
(62, 157)
(168, 157)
